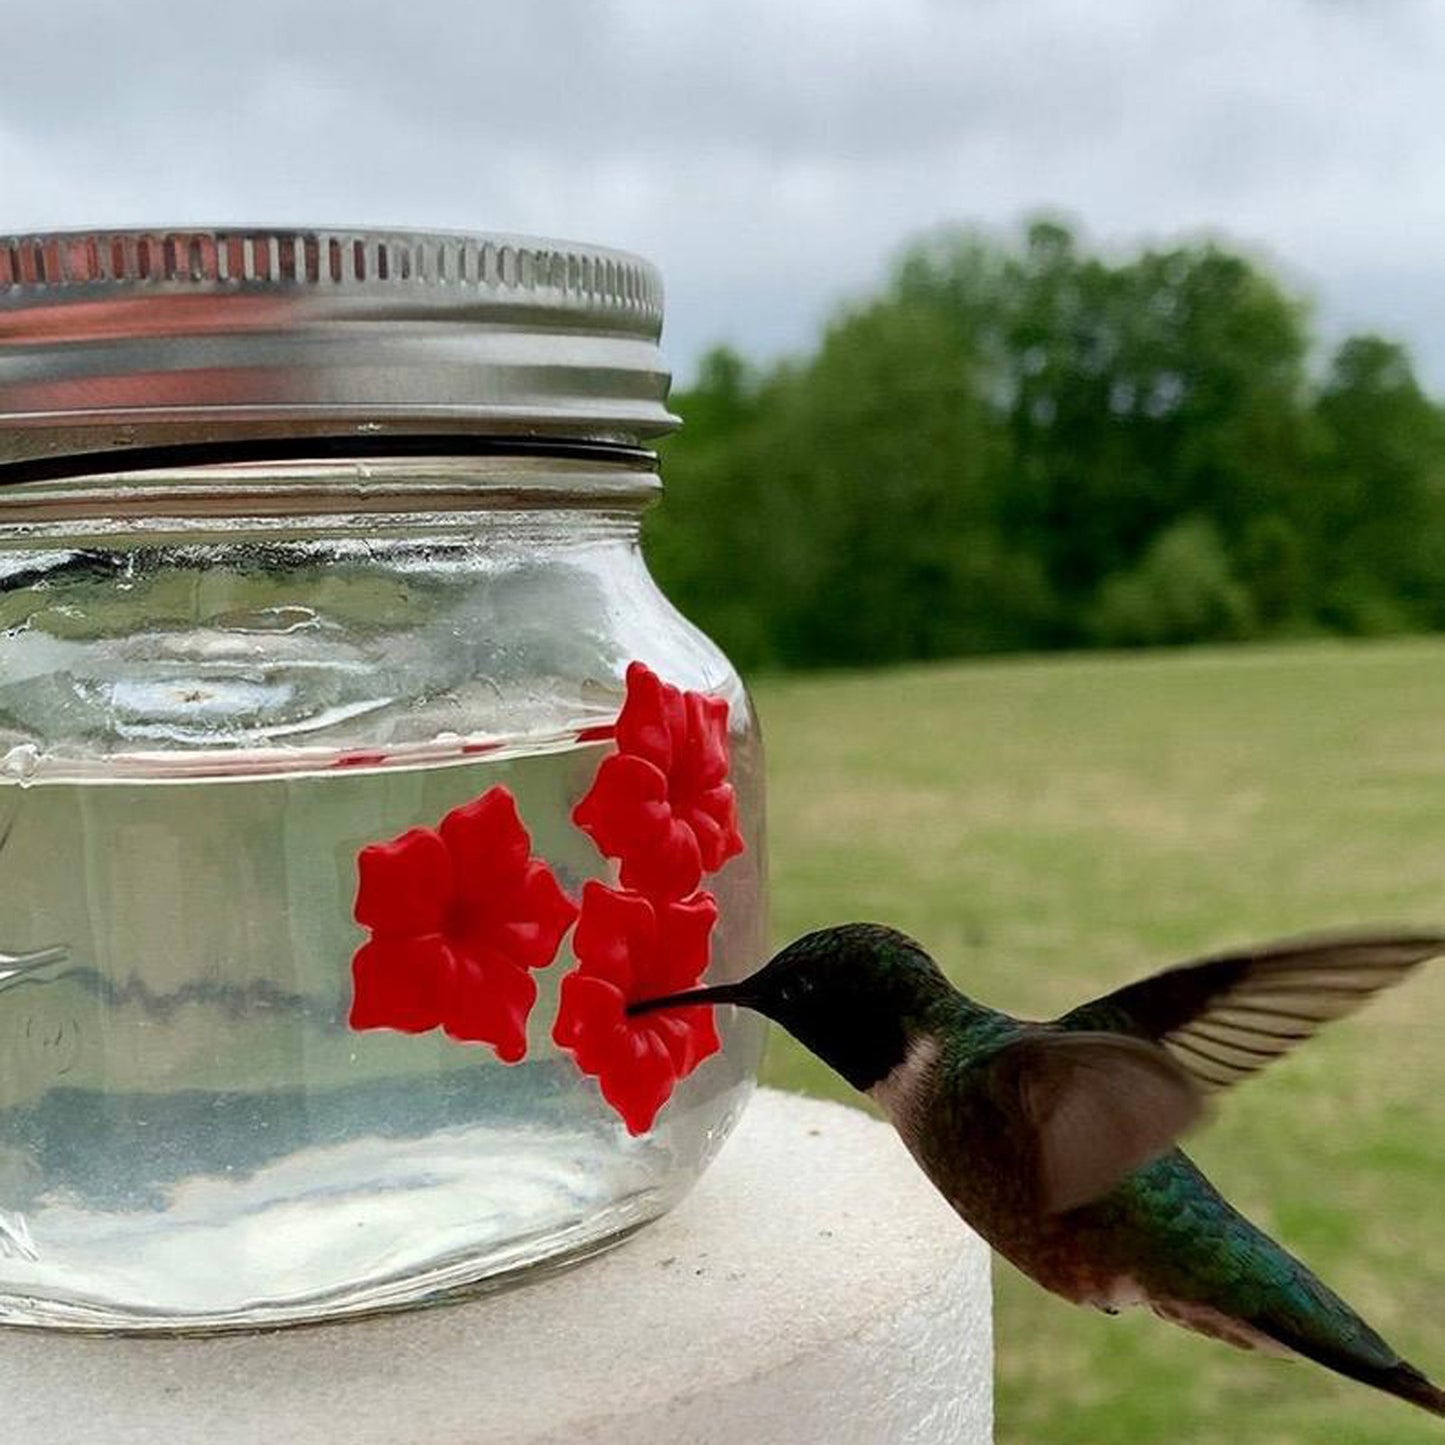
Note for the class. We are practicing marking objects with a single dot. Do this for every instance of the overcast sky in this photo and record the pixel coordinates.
(770, 155)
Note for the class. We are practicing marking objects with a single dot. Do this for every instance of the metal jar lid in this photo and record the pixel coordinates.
(115, 341)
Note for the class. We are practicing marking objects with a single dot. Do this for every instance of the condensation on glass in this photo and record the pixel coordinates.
(305, 539)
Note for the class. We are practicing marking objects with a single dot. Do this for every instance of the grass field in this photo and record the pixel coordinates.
(1052, 828)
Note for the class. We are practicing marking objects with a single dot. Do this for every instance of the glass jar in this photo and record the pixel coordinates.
(312, 544)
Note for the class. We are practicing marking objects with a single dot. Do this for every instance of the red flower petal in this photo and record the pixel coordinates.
(626, 807)
(713, 818)
(705, 1039)
(404, 886)
(552, 913)
(711, 835)
(683, 947)
(590, 1021)
(651, 714)
(399, 984)
(640, 1080)
(676, 1035)
(489, 847)
(582, 1002)
(488, 1002)
(614, 930)
(542, 914)
(689, 1034)
(671, 868)
(704, 757)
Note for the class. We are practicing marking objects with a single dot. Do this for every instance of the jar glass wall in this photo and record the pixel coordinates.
(218, 686)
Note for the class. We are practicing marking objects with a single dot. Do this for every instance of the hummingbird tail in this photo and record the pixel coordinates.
(1399, 1378)
(1409, 1384)
(1307, 1318)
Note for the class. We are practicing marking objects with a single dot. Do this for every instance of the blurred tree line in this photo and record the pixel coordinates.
(1030, 446)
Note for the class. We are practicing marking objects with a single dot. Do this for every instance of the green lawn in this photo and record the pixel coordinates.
(1051, 828)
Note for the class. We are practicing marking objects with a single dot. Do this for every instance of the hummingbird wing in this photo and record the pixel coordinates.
(1093, 1106)
(1225, 1018)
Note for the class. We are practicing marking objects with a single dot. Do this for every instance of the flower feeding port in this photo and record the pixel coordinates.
(460, 915)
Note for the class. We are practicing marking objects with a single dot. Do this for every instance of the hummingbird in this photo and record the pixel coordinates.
(1056, 1140)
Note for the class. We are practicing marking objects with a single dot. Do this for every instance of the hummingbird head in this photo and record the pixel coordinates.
(856, 995)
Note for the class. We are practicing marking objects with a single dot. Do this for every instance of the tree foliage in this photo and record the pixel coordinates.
(1031, 446)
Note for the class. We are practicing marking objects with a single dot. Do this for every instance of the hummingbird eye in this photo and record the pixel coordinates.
(793, 987)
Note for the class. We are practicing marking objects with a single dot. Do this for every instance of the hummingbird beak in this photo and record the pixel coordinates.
(721, 993)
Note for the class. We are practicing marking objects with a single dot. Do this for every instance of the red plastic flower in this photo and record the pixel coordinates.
(662, 802)
(629, 947)
(458, 916)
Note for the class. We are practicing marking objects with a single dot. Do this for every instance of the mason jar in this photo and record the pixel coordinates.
(354, 775)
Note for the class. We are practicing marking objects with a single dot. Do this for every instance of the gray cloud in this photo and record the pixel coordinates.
(769, 154)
